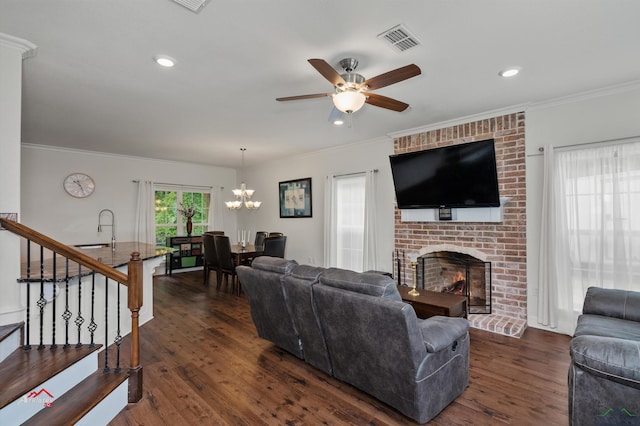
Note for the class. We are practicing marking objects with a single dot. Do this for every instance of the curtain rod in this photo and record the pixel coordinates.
(355, 173)
(610, 141)
(177, 184)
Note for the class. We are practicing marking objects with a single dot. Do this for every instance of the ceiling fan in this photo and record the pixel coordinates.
(352, 90)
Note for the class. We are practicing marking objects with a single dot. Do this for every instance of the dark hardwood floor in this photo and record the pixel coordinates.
(204, 364)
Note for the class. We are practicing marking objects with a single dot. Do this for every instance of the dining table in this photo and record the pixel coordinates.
(242, 254)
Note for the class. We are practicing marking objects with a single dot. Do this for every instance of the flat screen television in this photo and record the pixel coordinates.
(463, 175)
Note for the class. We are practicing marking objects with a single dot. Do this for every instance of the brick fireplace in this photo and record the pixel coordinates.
(503, 244)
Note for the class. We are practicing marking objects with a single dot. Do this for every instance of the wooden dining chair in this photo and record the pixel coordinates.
(225, 260)
(260, 236)
(276, 234)
(210, 258)
(274, 246)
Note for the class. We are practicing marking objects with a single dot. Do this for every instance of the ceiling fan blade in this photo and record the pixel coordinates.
(328, 72)
(385, 102)
(296, 98)
(392, 77)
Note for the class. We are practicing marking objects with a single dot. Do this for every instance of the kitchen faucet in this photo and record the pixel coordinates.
(112, 225)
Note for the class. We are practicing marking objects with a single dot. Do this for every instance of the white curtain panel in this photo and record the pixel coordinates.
(370, 252)
(215, 217)
(547, 304)
(591, 227)
(329, 223)
(145, 224)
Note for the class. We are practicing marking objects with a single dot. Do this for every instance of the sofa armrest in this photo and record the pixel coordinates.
(440, 332)
(608, 357)
(614, 303)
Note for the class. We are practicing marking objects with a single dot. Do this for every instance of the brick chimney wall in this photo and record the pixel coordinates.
(503, 243)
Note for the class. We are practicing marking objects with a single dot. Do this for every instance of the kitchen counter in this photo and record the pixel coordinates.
(101, 252)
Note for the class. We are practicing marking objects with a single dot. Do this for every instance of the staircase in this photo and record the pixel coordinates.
(85, 383)
(60, 386)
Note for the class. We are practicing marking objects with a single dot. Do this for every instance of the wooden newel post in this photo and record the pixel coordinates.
(135, 303)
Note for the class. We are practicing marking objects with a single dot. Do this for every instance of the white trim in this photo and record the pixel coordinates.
(28, 49)
(461, 120)
(583, 96)
(111, 155)
(524, 107)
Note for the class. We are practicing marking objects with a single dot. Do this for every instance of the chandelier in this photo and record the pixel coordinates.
(243, 195)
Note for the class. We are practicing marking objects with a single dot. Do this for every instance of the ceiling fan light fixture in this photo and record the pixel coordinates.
(349, 101)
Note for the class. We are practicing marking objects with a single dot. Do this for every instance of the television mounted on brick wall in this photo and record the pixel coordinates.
(456, 176)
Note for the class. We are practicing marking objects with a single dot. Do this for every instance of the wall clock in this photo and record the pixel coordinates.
(79, 185)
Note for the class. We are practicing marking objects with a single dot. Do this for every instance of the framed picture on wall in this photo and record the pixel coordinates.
(295, 198)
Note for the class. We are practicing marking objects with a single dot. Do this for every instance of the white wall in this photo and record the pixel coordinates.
(11, 54)
(47, 208)
(599, 117)
(305, 236)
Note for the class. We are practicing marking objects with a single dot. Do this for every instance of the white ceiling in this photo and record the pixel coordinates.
(93, 84)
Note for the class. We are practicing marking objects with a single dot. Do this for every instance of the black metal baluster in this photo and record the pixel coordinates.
(67, 313)
(41, 300)
(92, 324)
(118, 338)
(27, 343)
(79, 319)
(53, 312)
(106, 325)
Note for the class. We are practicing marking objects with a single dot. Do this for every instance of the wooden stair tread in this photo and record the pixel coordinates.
(7, 329)
(23, 370)
(69, 408)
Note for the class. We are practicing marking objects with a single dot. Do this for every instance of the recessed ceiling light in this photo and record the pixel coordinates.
(164, 61)
(338, 122)
(509, 72)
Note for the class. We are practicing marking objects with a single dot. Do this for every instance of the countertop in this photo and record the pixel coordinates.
(102, 253)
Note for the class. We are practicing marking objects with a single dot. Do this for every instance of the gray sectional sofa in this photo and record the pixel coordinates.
(604, 374)
(355, 327)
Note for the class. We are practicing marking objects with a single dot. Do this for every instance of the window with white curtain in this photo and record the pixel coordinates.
(591, 227)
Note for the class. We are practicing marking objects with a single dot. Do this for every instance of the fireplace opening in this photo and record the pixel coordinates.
(457, 273)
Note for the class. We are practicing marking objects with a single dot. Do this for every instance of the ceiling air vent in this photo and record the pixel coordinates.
(193, 5)
(399, 38)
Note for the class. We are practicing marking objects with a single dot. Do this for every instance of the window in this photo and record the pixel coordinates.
(590, 229)
(170, 222)
(349, 223)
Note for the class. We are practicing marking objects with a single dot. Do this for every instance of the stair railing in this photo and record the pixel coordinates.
(132, 280)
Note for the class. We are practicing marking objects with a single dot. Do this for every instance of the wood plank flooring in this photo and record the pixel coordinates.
(204, 364)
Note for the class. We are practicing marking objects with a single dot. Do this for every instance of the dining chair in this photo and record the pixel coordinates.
(276, 234)
(274, 246)
(225, 260)
(260, 236)
(213, 232)
(210, 258)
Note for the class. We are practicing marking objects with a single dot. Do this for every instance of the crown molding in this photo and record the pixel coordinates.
(584, 96)
(461, 120)
(27, 48)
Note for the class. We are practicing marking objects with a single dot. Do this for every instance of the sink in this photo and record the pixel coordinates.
(91, 246)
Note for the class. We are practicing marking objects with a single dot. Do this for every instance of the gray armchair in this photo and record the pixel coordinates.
(377, 344)
(262, 284)
(604, 374)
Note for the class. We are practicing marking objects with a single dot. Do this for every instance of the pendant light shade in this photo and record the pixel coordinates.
(349, 101)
